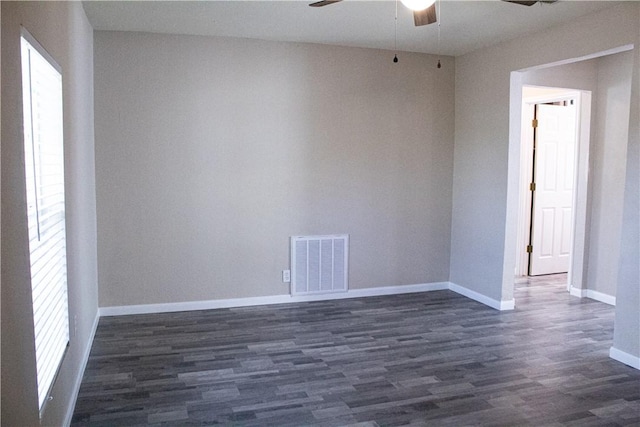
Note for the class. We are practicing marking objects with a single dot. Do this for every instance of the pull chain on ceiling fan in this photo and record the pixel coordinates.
(439, 22)
(395, 40)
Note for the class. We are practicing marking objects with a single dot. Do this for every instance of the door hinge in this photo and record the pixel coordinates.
(532, 186)
(534, 123)
(529, 249)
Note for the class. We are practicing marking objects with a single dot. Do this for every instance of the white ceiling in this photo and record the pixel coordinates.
(464, 25)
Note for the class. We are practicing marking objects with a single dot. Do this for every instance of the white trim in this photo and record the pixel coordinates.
(599, 296)
(41, 50)
(519, 280)
(285, 299)
(595, 295)
(498, 305)
(124, 310)
(404, 289)
(524, 202)
(274, 299)
(577, 292)
(595, 55)
(563, 94)
(623, 357)
(83, 366)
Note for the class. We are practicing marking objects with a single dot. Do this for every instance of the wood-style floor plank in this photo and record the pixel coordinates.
(433, 358)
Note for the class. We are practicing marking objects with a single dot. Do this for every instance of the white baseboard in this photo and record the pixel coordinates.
(577, 292)
(626, 358)
(285, 299)
(588, 293)
(599, 296)
(124, 310)
(498, 305)
(83, 366)
(396, 290)
(274, 299)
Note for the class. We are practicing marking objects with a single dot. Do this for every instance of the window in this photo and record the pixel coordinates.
(44, 174)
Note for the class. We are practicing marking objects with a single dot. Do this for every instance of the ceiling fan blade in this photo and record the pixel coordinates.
(425, 17)
(324, 3)
(522, 2)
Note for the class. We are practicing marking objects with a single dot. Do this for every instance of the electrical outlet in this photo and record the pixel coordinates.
(286, 276)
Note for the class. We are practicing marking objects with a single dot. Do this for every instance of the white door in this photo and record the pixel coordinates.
(552, 200)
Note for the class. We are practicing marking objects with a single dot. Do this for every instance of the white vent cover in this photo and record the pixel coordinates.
(319, 264)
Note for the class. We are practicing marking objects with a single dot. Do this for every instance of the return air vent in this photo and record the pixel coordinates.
(319, 264)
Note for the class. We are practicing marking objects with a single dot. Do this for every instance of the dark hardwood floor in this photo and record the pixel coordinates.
(433, 358)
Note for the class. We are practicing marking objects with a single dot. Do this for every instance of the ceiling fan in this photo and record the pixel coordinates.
(424, 11)
(528, 2)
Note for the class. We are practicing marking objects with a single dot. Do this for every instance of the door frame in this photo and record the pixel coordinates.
(577, 262)
(526, 164)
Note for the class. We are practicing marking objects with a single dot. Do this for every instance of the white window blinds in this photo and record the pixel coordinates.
(44, 173)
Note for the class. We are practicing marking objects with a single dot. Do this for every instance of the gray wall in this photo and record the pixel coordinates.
(62, 29)
(626, 336)
(607, 173)
(212, 152)
(481, 226)
(609, 80)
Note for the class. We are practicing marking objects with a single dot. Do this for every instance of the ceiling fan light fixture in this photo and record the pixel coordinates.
(417, 5)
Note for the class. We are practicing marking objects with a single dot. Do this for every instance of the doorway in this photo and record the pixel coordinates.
(550, 207)
(595, 252)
